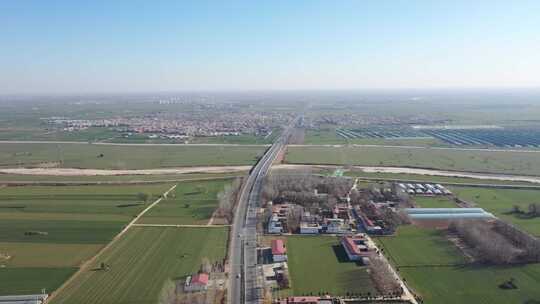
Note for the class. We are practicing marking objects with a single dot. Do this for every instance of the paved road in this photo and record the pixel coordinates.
(245, 285)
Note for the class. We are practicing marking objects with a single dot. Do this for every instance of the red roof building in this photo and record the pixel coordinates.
(278, 247)
(200, 279)
(356, 247)
(279, 252)
(197, 282)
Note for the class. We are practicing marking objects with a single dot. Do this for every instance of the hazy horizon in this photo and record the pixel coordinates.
(65, 47)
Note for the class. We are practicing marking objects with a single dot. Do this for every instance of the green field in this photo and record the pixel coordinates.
(413, 246)
(191, 203)
(318, 264)
(506, 162)
(142, 261)
(98, 201)
(434, 202)
(26, 178)
(90, 134)
(32, 280)
(431, 178)
(323, 136)
(73, 222)
(434, 268)
(97, 156)
(500, 201)
(47, 254)
(474, 284)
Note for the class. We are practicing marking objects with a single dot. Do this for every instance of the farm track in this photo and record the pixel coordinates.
(89, 262)
(104, 172)
(89, 183)
(429, 172)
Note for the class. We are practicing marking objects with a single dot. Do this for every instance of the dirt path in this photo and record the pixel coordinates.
(231, 169)
(84, 267)
(432, 172)
(104, 172)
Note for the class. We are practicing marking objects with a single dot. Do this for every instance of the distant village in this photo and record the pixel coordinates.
(203, 121)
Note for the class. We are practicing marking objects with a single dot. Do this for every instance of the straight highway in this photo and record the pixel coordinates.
(245, 285)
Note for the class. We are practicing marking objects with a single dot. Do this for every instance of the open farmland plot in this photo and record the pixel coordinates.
(58, 231)
(118, 179)
(323, 136)
(413, 246)
(46, 254)
(434, 202)
(193, 202)
(32, 280)
(320, 264)
(433, 179)
(506, 162)
(474, 284)
(96, 156)
(46, 232)
(142, 261)
(501, 201)
(77, 202)
(436, 271)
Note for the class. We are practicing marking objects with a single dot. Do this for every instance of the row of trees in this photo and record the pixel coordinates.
(528, 243)
(382, 277)
(490, 245)
(227, 198)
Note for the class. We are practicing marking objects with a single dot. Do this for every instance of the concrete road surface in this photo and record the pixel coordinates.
(245, 281)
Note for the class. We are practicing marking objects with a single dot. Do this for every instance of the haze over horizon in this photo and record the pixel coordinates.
(64, 47)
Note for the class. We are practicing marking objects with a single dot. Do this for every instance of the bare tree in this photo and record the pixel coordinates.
(227, 198)
(206, 266)
(294, 218)
(382, 276)
(491, 246)
(528, 243)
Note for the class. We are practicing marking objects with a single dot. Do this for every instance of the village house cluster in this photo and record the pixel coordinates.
(338, 220)
(199, 123)
(276, 270)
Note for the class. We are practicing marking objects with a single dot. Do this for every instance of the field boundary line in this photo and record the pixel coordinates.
(87, 263)
(94, 183)
(126, 144)
(181, 225)
(420, 147)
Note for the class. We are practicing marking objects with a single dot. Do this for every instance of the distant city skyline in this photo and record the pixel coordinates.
(70, 47)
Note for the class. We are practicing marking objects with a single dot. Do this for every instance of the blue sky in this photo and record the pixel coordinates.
(140, 46)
